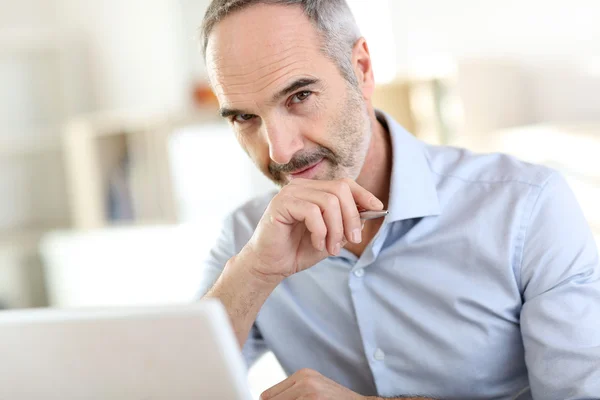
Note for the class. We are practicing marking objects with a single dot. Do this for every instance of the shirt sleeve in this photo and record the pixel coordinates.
(225, 248)
(560, 278)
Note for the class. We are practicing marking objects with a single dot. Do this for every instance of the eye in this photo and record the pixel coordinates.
(300, 97)
(241, 118)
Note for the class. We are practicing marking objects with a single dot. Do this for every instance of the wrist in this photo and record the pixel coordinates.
(242, 294)
(247, 266)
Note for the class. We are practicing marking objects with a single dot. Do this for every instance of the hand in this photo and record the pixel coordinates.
(308, 384)
(305, 222)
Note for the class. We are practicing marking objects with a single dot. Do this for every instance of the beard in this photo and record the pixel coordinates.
(350, 133)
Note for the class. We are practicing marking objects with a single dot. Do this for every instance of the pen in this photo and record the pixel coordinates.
(368, 215)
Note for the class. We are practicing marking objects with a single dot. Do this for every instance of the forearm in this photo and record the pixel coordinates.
(242, 294)
(399, 398)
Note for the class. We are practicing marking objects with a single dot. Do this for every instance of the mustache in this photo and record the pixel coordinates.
(302, 161)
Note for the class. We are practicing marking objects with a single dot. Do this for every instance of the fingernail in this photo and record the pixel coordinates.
(356, 236)
(322, 245)
(336, 249)
(376, 203)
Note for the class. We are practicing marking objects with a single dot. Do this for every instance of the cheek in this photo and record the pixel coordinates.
(318, 134)
(257, 149)
(316, 128)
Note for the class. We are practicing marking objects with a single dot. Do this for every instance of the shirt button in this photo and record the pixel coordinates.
(359, 273)
(379, 355)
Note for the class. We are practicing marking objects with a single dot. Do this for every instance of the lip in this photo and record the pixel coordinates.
(306, 171)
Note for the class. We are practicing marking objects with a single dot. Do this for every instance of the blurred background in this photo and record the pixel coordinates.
(112, 179)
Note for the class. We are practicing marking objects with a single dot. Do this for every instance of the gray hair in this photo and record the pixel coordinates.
(332, 18)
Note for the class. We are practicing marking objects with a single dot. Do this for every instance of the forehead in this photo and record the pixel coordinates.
(261, 48)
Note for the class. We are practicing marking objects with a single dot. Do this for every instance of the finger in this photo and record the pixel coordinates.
(362, 197)
(330, 207)
(350, 216)
(310, 213)
(276, 390)
(297, 391)
(303, 382)
(349, 203)
(350, 227)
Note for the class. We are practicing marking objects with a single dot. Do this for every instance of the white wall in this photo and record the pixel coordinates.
(27, 12)
(430, 35)
(31, 108)
(136, 47)
(136, 52)
(145, 52)
(193, 12)
(566, 92)
(472, 28)
(546, 54)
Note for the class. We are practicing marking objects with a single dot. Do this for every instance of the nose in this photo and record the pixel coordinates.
(284, 140)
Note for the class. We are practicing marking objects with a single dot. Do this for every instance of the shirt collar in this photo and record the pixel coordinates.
(413, 192)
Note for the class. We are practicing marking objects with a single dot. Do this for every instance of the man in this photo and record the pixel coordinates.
(482, 282)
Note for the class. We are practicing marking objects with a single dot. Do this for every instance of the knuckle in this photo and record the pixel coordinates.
(296, 201)
(337, 227)
(319, 227)
(340, 187)
(345, 187)
(287, 190)
(332, 201)
(305, 373)
(338, 233)
(309, 385)
(285, 202)
(283, 196)
(315, 209)
(320, 231)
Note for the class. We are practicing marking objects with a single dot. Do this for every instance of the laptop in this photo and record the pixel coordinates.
(148, 353)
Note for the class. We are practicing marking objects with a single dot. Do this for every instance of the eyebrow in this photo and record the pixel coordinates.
(228, 112)
(298, 84)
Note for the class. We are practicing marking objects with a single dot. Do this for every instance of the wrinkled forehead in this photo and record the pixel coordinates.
(256, 50)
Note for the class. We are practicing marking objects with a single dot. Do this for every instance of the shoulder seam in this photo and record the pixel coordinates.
(538, 185)
(515, 180)
(519, 246)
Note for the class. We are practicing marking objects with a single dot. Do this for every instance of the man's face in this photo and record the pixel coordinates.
(290, 107)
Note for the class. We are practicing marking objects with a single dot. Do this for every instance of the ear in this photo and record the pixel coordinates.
(363, 68)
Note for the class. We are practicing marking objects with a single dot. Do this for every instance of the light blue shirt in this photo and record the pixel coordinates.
(482, 283)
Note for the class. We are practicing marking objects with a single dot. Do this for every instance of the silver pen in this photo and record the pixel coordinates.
(368, 215)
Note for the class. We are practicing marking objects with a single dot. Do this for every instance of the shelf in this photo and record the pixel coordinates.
(110, 123)
(26, 237)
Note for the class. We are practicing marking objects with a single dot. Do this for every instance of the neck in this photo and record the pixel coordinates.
(376, 173)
